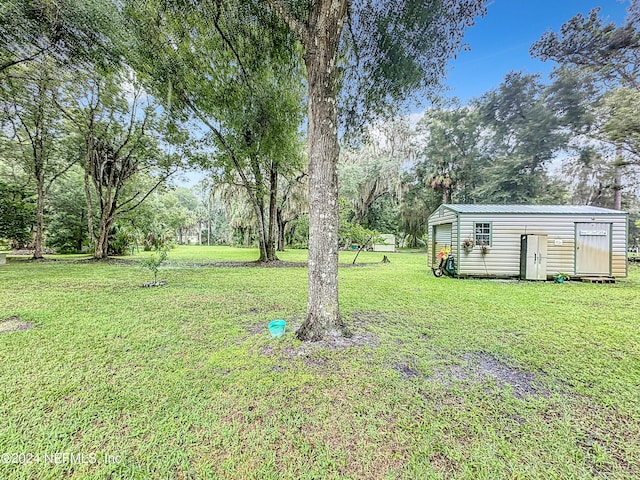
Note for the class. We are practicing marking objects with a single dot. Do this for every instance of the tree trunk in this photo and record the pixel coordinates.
(80, 235)
(209, 220)
(87, 186)
(617, 182)
(38, 238)
(257, 199)
(324, 29)
(101, 250)
(101, 247)
(273, 207)
(446, 195)
(262, 232)
(281, 227)
(108, 201)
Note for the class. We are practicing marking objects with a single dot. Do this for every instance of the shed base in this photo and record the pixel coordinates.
(598, 279)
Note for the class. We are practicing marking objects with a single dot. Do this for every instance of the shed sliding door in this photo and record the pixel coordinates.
(593, 248)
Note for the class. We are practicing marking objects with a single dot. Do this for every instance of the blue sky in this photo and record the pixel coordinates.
(500, 40)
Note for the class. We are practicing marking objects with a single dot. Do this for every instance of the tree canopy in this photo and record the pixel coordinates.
(67, 30)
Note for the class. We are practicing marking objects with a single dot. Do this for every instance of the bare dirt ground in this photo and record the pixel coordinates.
(14, 323)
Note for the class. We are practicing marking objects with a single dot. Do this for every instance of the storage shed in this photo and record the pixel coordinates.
(531, 241)
(386, 243)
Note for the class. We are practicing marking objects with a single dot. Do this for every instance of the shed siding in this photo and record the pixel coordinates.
(503, 258)
(619, 247)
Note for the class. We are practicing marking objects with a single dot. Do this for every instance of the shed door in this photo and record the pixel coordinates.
(593, 248)
(443, 234)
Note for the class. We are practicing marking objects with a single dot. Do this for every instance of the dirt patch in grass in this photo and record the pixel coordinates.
(332, 342)
(406, 371)
(477, 367)
(257, 329)
(251, 264)
(311, 353)
(336, 341)
(257, 264)
(13, 324)
(254, 264)
(153, 284)
(107, 261)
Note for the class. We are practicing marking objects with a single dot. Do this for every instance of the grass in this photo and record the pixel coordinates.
(443, 378)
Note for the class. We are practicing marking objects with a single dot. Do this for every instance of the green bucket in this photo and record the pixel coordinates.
(276, 328)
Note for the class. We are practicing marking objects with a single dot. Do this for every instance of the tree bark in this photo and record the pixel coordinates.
(273, 207)
(281, 228)
(617, 182)
(323, 35)
(262, 231)
(257, 199)
(209, 219)
(38, 149)
(80, 234)
(39, 232)
(101, 250)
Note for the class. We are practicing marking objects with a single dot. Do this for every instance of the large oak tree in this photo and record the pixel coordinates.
(388, 50)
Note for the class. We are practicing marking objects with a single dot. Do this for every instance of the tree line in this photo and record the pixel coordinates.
(570, 140)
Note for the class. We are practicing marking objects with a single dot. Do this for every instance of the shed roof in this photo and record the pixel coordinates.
(533, 209)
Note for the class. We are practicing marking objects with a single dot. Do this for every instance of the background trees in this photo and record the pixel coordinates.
(70, 32)
(119, 137)
(17, 213)
(606, 59)
(222, 86)
(451, 151)
(32, 127)
(235, 73)
(51, 55)
(522, 135)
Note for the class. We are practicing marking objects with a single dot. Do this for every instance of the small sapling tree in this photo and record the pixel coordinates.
(153, 264)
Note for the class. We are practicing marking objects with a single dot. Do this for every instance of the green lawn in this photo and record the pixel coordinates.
(443, 378)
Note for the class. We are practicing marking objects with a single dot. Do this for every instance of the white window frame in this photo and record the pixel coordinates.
(482, 233)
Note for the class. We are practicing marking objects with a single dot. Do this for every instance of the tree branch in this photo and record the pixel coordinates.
(12, 63)
(158, 183)
(220, 138)
(298, 28)
(59, 174)
(232, 47)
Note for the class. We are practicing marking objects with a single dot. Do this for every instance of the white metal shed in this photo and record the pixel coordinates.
(531, 241)
(387, 243)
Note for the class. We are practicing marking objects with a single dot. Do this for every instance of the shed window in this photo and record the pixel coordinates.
(483, 233)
